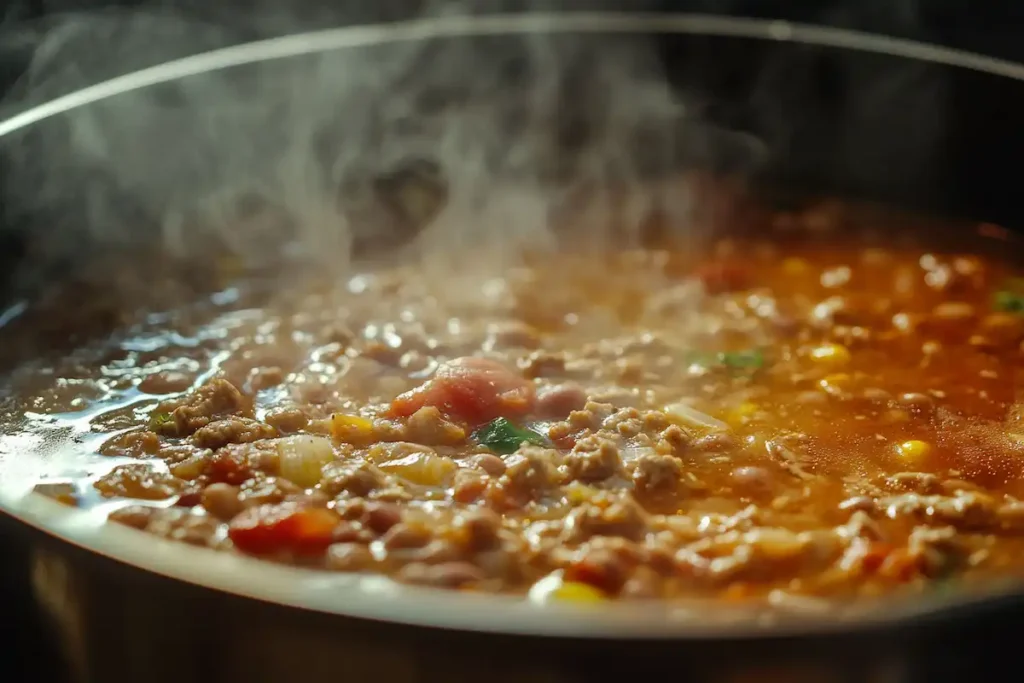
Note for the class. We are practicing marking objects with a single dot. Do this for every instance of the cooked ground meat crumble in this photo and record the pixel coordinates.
(762, 417)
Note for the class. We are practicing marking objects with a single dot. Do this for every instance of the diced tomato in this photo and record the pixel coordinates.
(565, 440)
(229, 466)
(600, 569)
(472, 390)
(875, 555)
(723, 276)
(271, 528)
(901, 565)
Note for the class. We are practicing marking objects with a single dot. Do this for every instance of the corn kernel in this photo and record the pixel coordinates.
(555, 589)
(913, 451)
(577, 493)
(573, 591)
(427, 469)
(833, 354)
(743, 411)
(351, 429)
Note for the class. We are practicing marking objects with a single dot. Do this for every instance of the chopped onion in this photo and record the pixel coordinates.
(694, 417)
(302, 458)
(427, 469)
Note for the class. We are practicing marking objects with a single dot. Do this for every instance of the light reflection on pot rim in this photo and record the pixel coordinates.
(377, 597)
(367, 35)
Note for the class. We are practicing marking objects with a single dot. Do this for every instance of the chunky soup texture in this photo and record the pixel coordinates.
(750, 421)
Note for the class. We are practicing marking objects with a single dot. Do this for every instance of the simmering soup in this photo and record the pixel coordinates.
(817, 416)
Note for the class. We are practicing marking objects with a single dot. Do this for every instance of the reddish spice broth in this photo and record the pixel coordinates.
(801, 416)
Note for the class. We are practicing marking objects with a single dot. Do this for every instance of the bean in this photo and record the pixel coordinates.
(348, 557)
(491, 464)
(916, 399)
(468, 486)
(559, 401)
(381, 517)
(875, 394)
(136, 516)
(480, 528)
(752, 477)
(446, 575)
(1003, 328)
(404, 536)
(954, 311)
(221, 500)
(643, 584)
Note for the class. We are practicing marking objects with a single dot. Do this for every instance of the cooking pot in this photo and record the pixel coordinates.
(791, 110)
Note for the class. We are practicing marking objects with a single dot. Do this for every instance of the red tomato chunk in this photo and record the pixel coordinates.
(471, 390)
(267, 529)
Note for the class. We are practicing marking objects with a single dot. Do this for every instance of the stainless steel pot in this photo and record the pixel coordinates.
(794, 109)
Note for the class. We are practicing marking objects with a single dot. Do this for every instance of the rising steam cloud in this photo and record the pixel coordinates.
(454, 141)
(486, 139)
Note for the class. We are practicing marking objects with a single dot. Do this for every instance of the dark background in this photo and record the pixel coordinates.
(830, 87)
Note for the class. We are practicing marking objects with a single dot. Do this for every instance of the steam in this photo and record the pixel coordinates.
(432, 145)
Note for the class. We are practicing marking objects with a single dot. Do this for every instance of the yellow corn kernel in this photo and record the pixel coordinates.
(427, 469)
(573, 591)
(913, 451)
(554, 588)
(351, 429)
(577, 493)
(743, 411)
(832, 354)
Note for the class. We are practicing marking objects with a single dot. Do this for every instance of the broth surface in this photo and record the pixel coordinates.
(755, 419)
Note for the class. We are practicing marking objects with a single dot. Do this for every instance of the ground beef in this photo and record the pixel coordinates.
(353, 479)
(428, 426)
(593, 458)
(624, 519)
(529, 472)
(287, 419)
(219, 398)
(654, 474)
(237, 463)
(138, 481)
(232, 430)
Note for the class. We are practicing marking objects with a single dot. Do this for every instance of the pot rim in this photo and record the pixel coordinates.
(365, 35)
(379, 598)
